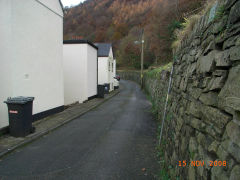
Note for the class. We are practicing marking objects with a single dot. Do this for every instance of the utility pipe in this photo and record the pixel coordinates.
(166, 103)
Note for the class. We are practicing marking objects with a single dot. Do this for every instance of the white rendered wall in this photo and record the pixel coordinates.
(103, 73)
(111, 79)
(5, 59)
(114, 68)
(35, 56)
(92, 71)
(105, 70)
(75, 73)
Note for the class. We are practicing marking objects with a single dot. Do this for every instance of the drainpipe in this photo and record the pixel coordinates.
(166, 103)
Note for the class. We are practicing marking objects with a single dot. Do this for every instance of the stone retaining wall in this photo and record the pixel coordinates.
(203, 121)
(130, 75)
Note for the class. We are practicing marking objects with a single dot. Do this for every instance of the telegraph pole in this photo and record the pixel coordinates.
(142, 57)
(177, 9)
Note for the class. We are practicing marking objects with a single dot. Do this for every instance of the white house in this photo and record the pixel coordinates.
(115, 81)
(80, 71)
(105, 64)
(114, 68)
(31, 55)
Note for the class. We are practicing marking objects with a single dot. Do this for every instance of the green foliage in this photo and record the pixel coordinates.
(172, 27)
(220, 13)
(154, 73)
(154, 109)
(160, 152)
(146, 65)
(169, 117)
(136, 64)
(192, 154)
(163, 175)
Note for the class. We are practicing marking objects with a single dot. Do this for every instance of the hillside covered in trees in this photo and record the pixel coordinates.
(121, 22)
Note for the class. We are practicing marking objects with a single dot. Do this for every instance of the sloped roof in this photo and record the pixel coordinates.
(103, 49)
(82, 41)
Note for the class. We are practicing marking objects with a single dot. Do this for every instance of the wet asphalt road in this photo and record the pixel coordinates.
(112, 142)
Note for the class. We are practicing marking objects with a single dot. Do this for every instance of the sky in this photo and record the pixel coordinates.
(71, 2)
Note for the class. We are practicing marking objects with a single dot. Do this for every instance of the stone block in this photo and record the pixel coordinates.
(231, 88)
(234, 15)
(234, 53)
(193, 52)
(237, 43)
(205, 82)
(183, 147)
(206, 64)
(232, 148)
(191, 173)
(213, 147)
(194, 110)
(220, 38)
(220, 73)
(196, 92)
(193, 146)
(230, 164)
(233, 131)
(231, 31)
(236, 117)
(196, 42)
(233, 102)
(184, 83)
(222, 153)
(207, 41)
(222, 59)
(209, 98)
(179, 125)
(229, 3)
(216, 83)
(210, 130)
(177, 81)
(200, 171)
(191, 59)
(204, 140)
(197, 124)
(164, 75)
(217, 173)
(215, 116)
(198, 55)
(209, 48)
(202, 152)
(191, 69)
(185, 57)
(235, 173)
(230, 42)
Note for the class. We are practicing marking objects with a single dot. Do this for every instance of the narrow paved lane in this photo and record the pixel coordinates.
(114, 141)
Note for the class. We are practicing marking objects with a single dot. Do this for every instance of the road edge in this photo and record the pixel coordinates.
(37, 136)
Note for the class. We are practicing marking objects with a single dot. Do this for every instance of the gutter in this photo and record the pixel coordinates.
(39, 2)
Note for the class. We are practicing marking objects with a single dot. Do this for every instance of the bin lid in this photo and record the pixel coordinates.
(19, 100)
